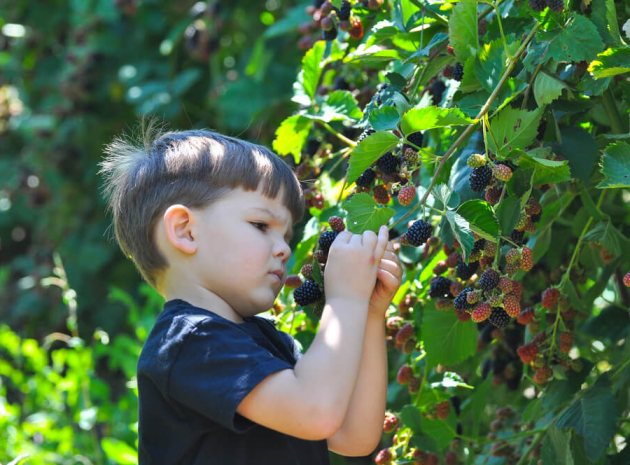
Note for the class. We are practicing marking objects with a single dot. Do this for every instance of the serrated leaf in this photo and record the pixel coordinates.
(368, 151)
(418, 119)
(580, 148)
(291, 136)
(365, 214)
(615, 166)
(340, 105)
(604, 16)
(593, 416)
(462, 232)
(480, 217)
(447, 340)
(411, 418)
(579, 41)
(308, 78)
(438, 430)
(546, 171)
(512, 129)
(547, 89)
(384, 118)
(371, 55)
(462, 29)
(490, 63)
(611, 62)
(606, 234)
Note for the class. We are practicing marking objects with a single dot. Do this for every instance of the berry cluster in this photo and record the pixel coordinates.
(329, 20)
(487, 175)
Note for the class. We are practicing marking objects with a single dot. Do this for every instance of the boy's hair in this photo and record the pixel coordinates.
(195, 168)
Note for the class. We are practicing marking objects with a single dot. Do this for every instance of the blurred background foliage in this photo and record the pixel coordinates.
(74, 74)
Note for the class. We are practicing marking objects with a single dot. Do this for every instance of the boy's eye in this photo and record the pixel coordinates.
(262, 226)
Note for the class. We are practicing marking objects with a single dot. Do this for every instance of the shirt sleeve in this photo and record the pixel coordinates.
(217, 366)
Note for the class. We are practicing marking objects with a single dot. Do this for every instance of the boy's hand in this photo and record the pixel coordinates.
(388, 279)
(353, 263)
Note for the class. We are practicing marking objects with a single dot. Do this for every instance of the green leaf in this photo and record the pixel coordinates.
(368, 151)
(119, 452)
(606, 234)
(604, 16)
(593, 415)
(340, 105)
(547, 89)
(308, 78)
(462, 29)
(418, 119)
(446, 339)
(611, 62)
(546, 171)
(462, 232)
(512, 129)
(556, 448)
(480, 217)
(580, 41)
(371, 55)
(439, 430)
(490, 63)
(615, 166)
(508, 212)
(411, 418)
(365, 214)
(291, 136)
(384, 118)
(580, 148)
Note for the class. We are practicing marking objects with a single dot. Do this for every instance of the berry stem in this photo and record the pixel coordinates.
(482, 112)
(338, 135)
(495, 6)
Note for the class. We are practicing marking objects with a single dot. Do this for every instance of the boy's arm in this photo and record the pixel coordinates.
(362, 428)
(310, 401)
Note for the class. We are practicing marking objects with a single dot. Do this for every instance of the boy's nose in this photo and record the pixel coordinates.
(283, 250)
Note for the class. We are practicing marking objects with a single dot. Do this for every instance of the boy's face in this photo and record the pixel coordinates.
(243, 249)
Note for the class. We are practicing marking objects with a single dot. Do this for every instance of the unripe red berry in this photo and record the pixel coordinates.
(526, 316)
(404, 375)
(550, 297)
(406, 195)
(527, 259)
(443, 410)
(293, 281)
(336, 223)
(511, 305)
(390, 422)
(626, 279)
(384, 457)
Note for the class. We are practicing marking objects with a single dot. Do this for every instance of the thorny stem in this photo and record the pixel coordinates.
(464, 135)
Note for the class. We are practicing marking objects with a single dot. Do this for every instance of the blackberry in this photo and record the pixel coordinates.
(478, 246)
(440, 287)
(480, 178)
(518, 237)
(461, 301)
(540, 132)
(465, 271)
(437, 91)
(418, 233)
(535, 217)
(344, 11)
(537, 5)
(330, 35)
(307, 293)
(458, 71)
(366, 132)
(499, 317)
(366, 179)
(388, 163)
(555, 5)
(326, 240)
(416, 139)
(489, 279)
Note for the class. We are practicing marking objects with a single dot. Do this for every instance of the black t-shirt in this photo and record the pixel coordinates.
(194, 370)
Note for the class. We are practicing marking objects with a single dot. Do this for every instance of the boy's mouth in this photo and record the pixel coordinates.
(279, 274)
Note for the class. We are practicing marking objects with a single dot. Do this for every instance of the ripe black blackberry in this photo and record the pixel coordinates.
(326, 240)
(440, 287)
(366, 178)
(344, 11)
(418, 233)
(458, 72)
(308, 293)
(556, 5)
(416, 138)
(537, 5)
(540, 131)
(461, 301)
(366, 132)
(518, 237)
(480, 178)
(489, 280)
(499, 317)
(478, 246)
(465, 271)
(330, 34)
(388, 163)
(437, 91)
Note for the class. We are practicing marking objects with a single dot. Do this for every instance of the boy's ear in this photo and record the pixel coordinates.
(178, 221)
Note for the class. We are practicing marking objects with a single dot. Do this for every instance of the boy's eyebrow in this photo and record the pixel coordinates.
(277, 218)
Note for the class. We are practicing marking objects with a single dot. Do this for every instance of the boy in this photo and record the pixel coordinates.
(207, 220)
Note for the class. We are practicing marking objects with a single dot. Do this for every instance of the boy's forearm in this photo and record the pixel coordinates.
(329, 368)
(362, 427)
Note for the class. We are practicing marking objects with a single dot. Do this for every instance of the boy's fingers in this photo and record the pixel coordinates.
(343, 237)
(381, 242)
(369, 239)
